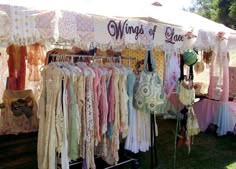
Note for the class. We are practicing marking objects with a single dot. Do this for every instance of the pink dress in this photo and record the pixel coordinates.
(96, 88)
(103, 102)
(111, 96)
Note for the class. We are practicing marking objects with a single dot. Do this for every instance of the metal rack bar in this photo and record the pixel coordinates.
(121, 163)
(70, 57)
(92, 56)
(133, 161)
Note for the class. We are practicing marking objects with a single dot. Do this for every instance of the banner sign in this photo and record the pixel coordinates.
(172, 37)
(119, 29)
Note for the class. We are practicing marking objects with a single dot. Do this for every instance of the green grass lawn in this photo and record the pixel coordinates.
(208, 151)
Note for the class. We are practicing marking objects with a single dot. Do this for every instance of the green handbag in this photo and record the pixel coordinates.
(190, 57)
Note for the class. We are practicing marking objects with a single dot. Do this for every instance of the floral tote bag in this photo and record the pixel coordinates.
(149, 95)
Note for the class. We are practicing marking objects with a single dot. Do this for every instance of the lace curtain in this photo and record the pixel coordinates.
(3, 71)
(219, 73)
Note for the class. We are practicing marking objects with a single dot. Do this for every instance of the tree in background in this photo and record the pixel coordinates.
(222, 11)
(232, 12)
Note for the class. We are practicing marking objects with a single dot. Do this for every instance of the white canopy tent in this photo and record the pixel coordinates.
(176, 23)
(122, 25)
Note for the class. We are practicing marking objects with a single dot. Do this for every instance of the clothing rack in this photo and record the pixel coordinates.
(73, 58)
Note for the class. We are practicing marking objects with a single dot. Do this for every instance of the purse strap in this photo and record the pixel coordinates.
(149, 62)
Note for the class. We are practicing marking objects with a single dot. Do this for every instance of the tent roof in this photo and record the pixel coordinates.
(139, 10)
(147, 14)
(170, 16)
(183, 19)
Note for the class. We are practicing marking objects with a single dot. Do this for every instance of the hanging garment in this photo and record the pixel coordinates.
(96, 89)
(3, 71)
(63, 127)
(103, 101)
(22, 30)
(47, 130)
(131, 142)
(139, 138)
(89, 109)
(67, 26)
(219, 73)
(35, 57)
(85, 31)
(111, 101)
(20, 112)
(46, 23)
(73, 123)
(116, 124)
(69, 126)
(123, 104)
(81, 103)
(42, 120)
(172, 72)
(131, 78)
(16, 67)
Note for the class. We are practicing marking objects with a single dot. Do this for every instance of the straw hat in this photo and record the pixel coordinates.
(207, 56)
(199, 67)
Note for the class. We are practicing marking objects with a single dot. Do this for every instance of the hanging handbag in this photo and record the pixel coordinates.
(192, 123)
(185, 90)
(149, 95)
(190, 57)
(186, 95)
